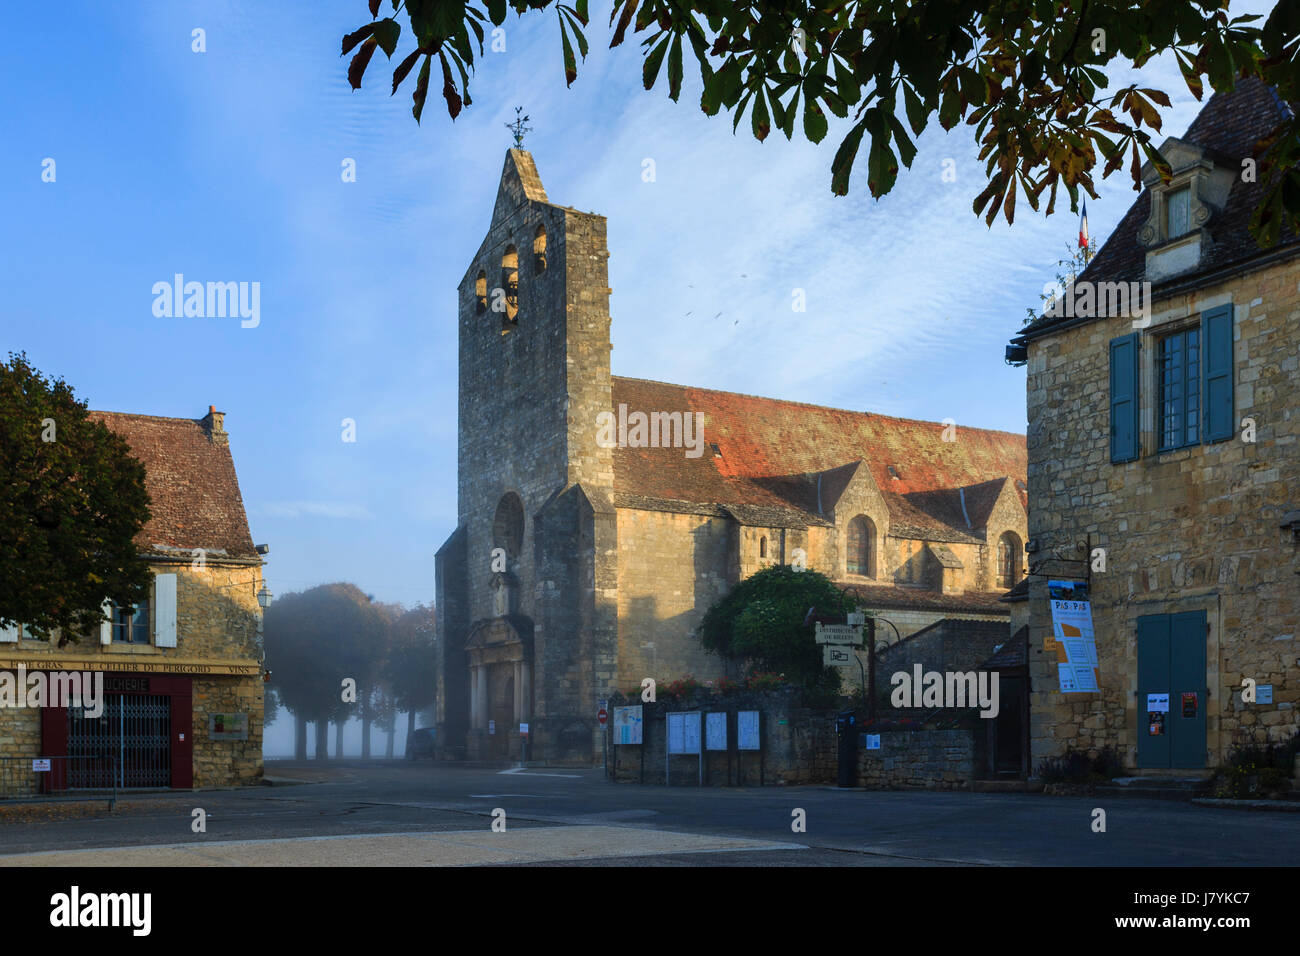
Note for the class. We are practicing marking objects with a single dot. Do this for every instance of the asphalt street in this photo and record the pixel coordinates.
(399, 813)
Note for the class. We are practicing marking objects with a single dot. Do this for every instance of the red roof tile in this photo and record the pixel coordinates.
(195, 494)
(771, 451)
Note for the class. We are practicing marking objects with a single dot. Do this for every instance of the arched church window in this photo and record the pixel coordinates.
(539, 250)
(510, 281)
(762, 546)
(508, 525)
(480, 291)
(862, 547)
(1008, 560)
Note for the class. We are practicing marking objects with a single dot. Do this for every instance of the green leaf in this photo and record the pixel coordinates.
(842, 165)
(650, 70)
(570, 64)
(917, 115)
(760, 122)
(421, 89)
(814, 121)
(882, 168)
(675, 69)
(386, 33)
(906, 149)
(496, 12)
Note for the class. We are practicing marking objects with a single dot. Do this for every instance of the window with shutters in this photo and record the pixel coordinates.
(131, 624)
(1178, 382)
(1124, 405)
(1177, 212)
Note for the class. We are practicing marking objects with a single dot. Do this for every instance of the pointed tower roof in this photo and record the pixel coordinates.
(519, 184)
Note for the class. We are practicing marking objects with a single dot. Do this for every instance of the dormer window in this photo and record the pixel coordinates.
(1178, 212)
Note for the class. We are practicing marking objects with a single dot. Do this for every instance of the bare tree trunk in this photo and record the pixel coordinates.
(338, 740)
(322, 740)
(392, 733)
(299, 737)
(410, 723)
(365, 736)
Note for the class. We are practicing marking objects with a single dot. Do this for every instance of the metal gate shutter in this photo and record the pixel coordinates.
(134, 730)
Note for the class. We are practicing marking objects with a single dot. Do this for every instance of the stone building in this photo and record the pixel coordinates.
(1163, 464)
(182, 670)
(599, 516)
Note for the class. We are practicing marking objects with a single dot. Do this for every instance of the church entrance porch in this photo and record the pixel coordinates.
(500, 653)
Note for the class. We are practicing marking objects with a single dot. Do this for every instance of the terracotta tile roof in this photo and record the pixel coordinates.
(1230, 125)
(771, 454)
(195, 494)
(887, 595)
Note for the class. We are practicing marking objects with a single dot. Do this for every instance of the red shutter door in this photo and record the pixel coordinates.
(183, 738)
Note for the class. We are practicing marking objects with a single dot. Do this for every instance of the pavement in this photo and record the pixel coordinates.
(395, 813)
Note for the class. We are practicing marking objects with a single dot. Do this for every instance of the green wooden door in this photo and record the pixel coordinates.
(1171, 691)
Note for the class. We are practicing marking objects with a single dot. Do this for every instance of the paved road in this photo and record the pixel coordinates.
(579, 819)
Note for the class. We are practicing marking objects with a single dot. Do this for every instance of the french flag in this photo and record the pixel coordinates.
(1083, 227)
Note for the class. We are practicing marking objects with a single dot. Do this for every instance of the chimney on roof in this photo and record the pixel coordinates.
(214, 424)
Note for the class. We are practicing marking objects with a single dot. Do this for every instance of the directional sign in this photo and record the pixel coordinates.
(602, 715)
(837, 656)
(838, 634)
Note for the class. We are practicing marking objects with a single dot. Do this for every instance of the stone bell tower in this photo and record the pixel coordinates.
(527, 635)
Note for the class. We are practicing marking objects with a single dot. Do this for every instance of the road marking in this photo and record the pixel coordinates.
(533, 773)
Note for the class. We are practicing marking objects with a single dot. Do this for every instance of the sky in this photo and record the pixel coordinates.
(225, 165)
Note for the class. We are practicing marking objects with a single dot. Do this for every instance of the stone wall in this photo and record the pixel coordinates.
(1195, 529)
(919, 759)
(800, 747)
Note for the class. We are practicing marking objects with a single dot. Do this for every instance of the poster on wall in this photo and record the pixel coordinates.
(228, 726)
(627, 725)
(1074, 640)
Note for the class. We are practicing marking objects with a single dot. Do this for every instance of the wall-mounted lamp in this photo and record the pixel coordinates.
(264, 597)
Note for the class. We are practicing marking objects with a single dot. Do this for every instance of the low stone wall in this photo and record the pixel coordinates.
(919, 759)
(799, 748)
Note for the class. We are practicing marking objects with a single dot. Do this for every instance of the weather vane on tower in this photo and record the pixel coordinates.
(518, 127)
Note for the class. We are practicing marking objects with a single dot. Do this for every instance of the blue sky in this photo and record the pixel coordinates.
(225, 166)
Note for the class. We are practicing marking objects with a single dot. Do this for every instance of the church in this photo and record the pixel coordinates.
(599, 517)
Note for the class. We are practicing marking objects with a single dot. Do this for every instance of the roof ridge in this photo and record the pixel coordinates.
(161, 418)
(826, 408)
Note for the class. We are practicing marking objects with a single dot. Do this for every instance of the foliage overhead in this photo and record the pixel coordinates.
(761, 620)
(72, 500)
(1027, 75)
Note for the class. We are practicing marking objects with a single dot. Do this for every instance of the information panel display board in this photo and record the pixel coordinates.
(684, 733)
(715, 731)
(747, 730)
(627, 725)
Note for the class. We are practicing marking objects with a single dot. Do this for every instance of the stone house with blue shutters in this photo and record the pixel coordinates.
(181, 672)
(1164, 465)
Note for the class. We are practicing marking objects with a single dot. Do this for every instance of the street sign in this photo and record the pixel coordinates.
(41, 766)
(602, 715)
(838, 634)
(523, 729)
(833, 656)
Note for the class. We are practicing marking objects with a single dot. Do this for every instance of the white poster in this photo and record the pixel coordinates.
(747, 730)
(627, 725)
(1076, 641)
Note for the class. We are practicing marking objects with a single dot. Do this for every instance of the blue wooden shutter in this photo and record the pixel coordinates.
(1124, 398)
(1216, 351)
